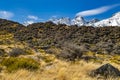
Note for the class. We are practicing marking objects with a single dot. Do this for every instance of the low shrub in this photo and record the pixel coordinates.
(13, 64)
(2, 52)
(18, 51)
(70, 52)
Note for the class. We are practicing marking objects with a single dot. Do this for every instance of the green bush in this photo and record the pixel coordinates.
(13, 64)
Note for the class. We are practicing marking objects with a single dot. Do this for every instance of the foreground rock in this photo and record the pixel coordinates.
(106, 70)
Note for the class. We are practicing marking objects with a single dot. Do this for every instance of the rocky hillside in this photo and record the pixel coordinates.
(101, 40)
(70, 41)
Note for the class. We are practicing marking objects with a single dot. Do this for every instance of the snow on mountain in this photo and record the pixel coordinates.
(63, 20)
(28, 22)
(78, 20)
(113, 21)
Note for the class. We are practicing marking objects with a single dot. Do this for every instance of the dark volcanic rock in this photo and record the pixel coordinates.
(106, 70)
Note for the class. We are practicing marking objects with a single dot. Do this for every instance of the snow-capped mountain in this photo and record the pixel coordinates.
(63, 20)
(80, 21)
(28, 22)
(113, 21)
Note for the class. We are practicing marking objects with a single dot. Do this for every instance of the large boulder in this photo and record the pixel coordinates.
(106, 70)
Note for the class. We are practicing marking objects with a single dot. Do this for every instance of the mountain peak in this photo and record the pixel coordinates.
(79, 17)
(63, 20)
(78, 20)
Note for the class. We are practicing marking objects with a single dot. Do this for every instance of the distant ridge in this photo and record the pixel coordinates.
(80, 21)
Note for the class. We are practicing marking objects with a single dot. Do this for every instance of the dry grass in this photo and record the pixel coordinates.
(59, 70)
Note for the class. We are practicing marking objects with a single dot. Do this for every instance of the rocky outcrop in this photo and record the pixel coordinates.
(106, 70)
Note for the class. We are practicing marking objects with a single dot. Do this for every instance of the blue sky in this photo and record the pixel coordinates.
(42, 10)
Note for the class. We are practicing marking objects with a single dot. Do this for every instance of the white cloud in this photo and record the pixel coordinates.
(97, 10)
(6, 14)
(32, 17)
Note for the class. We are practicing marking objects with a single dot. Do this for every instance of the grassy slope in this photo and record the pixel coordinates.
(60, 70)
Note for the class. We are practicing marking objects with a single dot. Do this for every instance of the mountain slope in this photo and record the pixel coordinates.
(113, 21)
